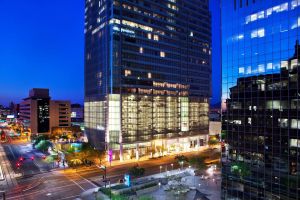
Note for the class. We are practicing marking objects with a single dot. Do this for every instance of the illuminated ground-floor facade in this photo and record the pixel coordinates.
(134, 126)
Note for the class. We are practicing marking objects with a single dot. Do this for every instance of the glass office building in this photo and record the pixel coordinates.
(147, 76)
(260, 99)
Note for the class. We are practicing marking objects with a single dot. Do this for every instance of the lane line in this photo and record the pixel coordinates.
(90, 182)
(69, 197)
(53, 190)
(78, 185)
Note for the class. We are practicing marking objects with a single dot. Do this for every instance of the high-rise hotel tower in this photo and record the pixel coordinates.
(261, 99)
(147, 76)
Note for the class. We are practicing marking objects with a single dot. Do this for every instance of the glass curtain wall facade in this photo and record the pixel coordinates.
(147, 75)
(260, 95)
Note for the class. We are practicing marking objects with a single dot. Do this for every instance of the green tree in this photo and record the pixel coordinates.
(40, 138)
(136, 171)
(92, 154)
(50, 159)
(198, 162)
(223, 135)
(181, 159)
(43, 145)
(241, 169)
(213, 141)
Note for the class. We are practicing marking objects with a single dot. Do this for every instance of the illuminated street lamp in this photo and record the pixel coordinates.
(181, 163)
(210, 171)
(172, 166)
(160, 167)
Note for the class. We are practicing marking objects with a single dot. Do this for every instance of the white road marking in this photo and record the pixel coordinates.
(78, 185)
(69, 197)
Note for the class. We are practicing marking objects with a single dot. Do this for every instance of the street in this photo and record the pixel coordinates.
(28, 176)
(70, 183)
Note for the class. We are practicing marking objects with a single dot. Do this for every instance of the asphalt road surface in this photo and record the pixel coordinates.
(70, 183)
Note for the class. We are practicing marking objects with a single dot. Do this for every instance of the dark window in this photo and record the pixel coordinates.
(234, 4)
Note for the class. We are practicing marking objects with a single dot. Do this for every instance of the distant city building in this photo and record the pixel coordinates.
(77, 113)
(39, 113)
(261, 100)
(215, 128)
(147, 76)
(16, 110)
(4, 112)
(215, 115)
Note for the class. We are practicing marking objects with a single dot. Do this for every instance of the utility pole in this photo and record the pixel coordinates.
(103, 167)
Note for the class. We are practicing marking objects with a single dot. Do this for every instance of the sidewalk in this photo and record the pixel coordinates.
(92, 194)
(147, 158)
(7, 171)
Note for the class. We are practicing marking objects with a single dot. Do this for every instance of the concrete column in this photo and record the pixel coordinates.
(121, 152)
(137, 156)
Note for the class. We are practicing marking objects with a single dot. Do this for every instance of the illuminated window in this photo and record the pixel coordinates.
(149, 36)
(284, 7)
(284, 64)
(261, 68)
(269, 11)
(248, 19)
(249, 120)
(253, 17)
(135, 25)
(261, 32)
(294, 4)
(191, 34)
(248, 71)
(295, 142)
(258, 33)
(127, 72)
(276, 8)
(261, 14)
(241, 70)
(270, 66)
(295, 124)
(149, 75)
(254, 34)
(141, 50)
(294, 63)
(162, 54)
(155, 37)
(241, 36)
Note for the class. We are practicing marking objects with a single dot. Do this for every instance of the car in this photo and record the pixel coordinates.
(18, 165)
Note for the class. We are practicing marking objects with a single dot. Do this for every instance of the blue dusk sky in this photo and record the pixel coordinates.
(42, 46)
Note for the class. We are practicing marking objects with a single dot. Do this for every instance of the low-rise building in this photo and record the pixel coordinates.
(40, 114)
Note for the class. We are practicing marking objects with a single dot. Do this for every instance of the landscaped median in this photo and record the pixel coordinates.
(122, 191)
